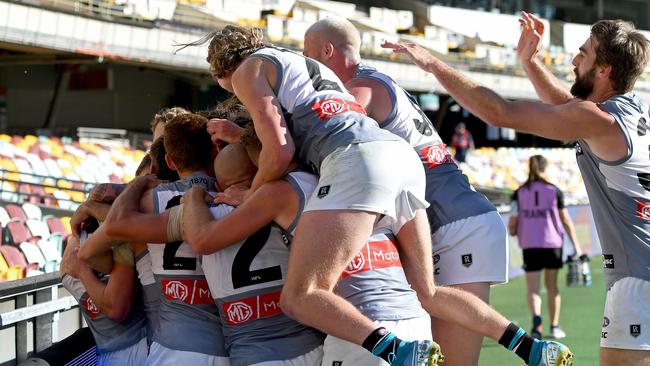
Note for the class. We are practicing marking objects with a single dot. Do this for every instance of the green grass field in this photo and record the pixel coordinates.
(581, 317)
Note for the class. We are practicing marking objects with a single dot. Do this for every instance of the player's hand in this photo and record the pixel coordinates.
(420, 56)
(530, 40)
(224, 130)
(80, 216)
(195, 194)
(71, 264)
(106, 192)
(234, 195)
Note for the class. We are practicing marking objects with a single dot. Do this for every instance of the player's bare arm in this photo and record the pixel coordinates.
(251, 83)
(113, 299)
(566, 122)
(96, 251)
(131, 217)
(372, 96)
(548, 87)
(273, 202)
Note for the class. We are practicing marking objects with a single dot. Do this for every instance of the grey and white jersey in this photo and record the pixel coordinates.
(619, 192)
(109, 335)
(319, 111)
(150, 291)
(246, 280)
(448, 191)
(375, 282)
(188, 317)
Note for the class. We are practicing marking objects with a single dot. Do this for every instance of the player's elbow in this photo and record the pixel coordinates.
(118, 310)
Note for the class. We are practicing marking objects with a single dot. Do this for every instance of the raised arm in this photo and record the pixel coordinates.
(548, 87)
(251, 83)
(131, 217)
(87, 210)
(275, 201)
(567, 122)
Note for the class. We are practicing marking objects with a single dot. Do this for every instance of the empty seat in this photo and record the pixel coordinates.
(15, 257)
(56, 226)
(10, 273)
(4, 217)
(38, 228)
(33, 253)
(32, 211)
(15, 212)
(16, 232)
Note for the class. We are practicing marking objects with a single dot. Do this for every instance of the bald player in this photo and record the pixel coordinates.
(470, 244)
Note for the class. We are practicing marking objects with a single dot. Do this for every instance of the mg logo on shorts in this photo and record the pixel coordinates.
(635, 330)
(239, 312)
(337, 363)
(466, 260)
(176, 290)
(608, 261)
(91, 309)
(356, 264)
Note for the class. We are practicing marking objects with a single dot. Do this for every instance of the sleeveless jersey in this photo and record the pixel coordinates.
(150, 291)
(188, 318)
(448, 191)
(375, 282)
(109, 335)
(319, 111)
(538, 216)
(619, 192)
(246, 280)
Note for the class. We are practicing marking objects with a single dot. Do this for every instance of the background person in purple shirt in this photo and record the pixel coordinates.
(539, 220)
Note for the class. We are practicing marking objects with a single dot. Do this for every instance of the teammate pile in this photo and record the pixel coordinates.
(306, 216)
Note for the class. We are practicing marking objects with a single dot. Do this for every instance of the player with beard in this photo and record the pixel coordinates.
(609, 121)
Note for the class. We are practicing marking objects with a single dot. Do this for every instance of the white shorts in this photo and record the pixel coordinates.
(385, 177)
(160, 355)
(337, 352)
(135, 355)
(470, 250)
(311, 358)
(626, 324)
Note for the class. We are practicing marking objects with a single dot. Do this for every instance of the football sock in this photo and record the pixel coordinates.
(385, 344)
(516, 340)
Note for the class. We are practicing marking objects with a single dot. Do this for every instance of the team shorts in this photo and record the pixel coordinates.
(131, 356)
(385, 177)
(626, 324)
(536, 259)
(160, 355)
(311, 358)
(470, 250)
(337, 352)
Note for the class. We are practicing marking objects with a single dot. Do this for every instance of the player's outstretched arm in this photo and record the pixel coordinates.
(251, 85)
(548, 87)
(273, 202)
(566, 122)
(131, 218)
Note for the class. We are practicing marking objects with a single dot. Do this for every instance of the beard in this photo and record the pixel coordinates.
(583, 85)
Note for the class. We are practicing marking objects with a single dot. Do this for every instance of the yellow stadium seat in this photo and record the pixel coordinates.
(66, 224)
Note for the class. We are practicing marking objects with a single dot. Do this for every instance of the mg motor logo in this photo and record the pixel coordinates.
(356, 264)
(239, 312)
(91, 308)
(331, 107)
(643, 210)
(435, 155)
(176, 290)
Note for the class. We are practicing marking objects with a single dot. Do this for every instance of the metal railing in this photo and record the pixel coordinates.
(36, 305)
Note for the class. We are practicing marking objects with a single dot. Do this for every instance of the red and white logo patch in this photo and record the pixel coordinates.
(356, 264)
(176, 290)
(643, 210)
(238, 312)
(436, 155)
(331, 107)
(91, 309)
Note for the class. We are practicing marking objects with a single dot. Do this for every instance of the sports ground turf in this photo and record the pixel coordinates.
(581, 317)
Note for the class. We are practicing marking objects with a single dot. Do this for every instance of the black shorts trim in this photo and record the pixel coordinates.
(537, 259)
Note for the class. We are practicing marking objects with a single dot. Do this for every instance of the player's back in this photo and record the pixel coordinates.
(246, 280)
(188, 317)
(319, 111)
(448, 190)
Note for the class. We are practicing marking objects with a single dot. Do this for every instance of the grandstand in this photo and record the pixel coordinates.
(110, 64)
